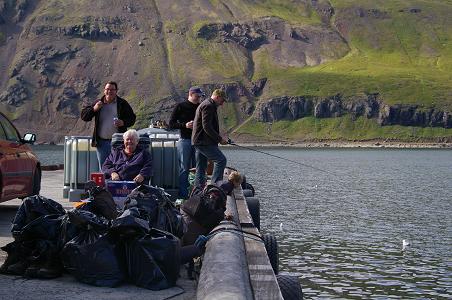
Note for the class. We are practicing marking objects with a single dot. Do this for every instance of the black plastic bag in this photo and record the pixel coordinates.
(44, 227)
(153, 261)
(146, 198)
(129, 224)
(94, 259)
(101, 203)
(169, 219)
(77, 221)
(68, 231)
(34, 207)
(156, 206)
(86, 220)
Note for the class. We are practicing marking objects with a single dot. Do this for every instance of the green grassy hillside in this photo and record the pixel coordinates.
(406, 57)
(400, 49)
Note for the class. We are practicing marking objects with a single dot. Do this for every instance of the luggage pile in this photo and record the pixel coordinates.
(96, 243)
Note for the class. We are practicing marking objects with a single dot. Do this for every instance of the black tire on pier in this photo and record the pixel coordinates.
(290, 287)
(271, 245)
(248, 186)
(247, 193)
(36, 182)
(255, 211)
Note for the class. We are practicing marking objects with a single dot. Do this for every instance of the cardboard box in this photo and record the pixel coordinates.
(120, 190)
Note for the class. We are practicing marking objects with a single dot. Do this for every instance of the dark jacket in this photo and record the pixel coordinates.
(206, 129)
(183, 112)
(125, 113)
(129, 167)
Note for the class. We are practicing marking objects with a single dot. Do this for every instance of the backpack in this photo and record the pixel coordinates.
(206, 206)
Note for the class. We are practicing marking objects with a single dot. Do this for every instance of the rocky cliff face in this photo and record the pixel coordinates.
(369, 106)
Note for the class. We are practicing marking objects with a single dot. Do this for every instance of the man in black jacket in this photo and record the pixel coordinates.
(206, 136)
(182, 118)
(111, 114)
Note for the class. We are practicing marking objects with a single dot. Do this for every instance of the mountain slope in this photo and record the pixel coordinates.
(360, 68)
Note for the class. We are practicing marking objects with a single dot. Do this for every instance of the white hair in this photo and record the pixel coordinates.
(132, 133)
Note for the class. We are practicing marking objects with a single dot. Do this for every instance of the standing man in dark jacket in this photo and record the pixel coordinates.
(111, 114)
(182, 118)
(206, 136)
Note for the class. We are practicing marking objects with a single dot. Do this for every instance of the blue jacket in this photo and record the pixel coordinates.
(129, 167)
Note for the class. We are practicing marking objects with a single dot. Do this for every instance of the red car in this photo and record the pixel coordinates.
(20, 170)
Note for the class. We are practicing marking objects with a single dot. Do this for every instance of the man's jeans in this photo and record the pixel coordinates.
(212, 152)
(186, 153)
(103, 151)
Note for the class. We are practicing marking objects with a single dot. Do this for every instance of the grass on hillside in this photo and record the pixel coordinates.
(293, 12)
(406, 58)
(342, 128)
(227, 60)
(227, 117)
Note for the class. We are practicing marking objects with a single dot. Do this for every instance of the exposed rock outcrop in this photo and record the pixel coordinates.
(16, 93)
(39, 59)
(290, 45)
(92, 28)
(413, 115)
(324, 9)
(370, 106)
(74, 92)
(249, 36)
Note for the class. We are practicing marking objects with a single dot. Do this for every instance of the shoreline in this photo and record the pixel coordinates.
(336, 144)
(349, 145)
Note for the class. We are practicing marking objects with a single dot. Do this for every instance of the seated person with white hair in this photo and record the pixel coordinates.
(129, 162)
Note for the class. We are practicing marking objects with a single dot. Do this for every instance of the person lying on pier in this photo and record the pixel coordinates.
(234, 180)
(129, 162)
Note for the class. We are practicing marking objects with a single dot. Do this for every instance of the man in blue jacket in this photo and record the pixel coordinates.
(206, 136)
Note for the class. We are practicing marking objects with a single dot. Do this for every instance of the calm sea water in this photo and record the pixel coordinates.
(341, 230)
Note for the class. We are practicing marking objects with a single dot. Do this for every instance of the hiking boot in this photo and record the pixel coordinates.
(18, 268)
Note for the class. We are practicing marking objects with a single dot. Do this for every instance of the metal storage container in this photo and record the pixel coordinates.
(80, 160)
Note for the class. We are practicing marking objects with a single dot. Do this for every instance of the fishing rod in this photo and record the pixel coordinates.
(230, 142)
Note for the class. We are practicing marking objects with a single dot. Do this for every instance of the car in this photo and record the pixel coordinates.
(20, 169)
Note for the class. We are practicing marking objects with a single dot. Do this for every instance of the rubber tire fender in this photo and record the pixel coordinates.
(248, 186)
(255, 211)
(290, 287)
(271, 245)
